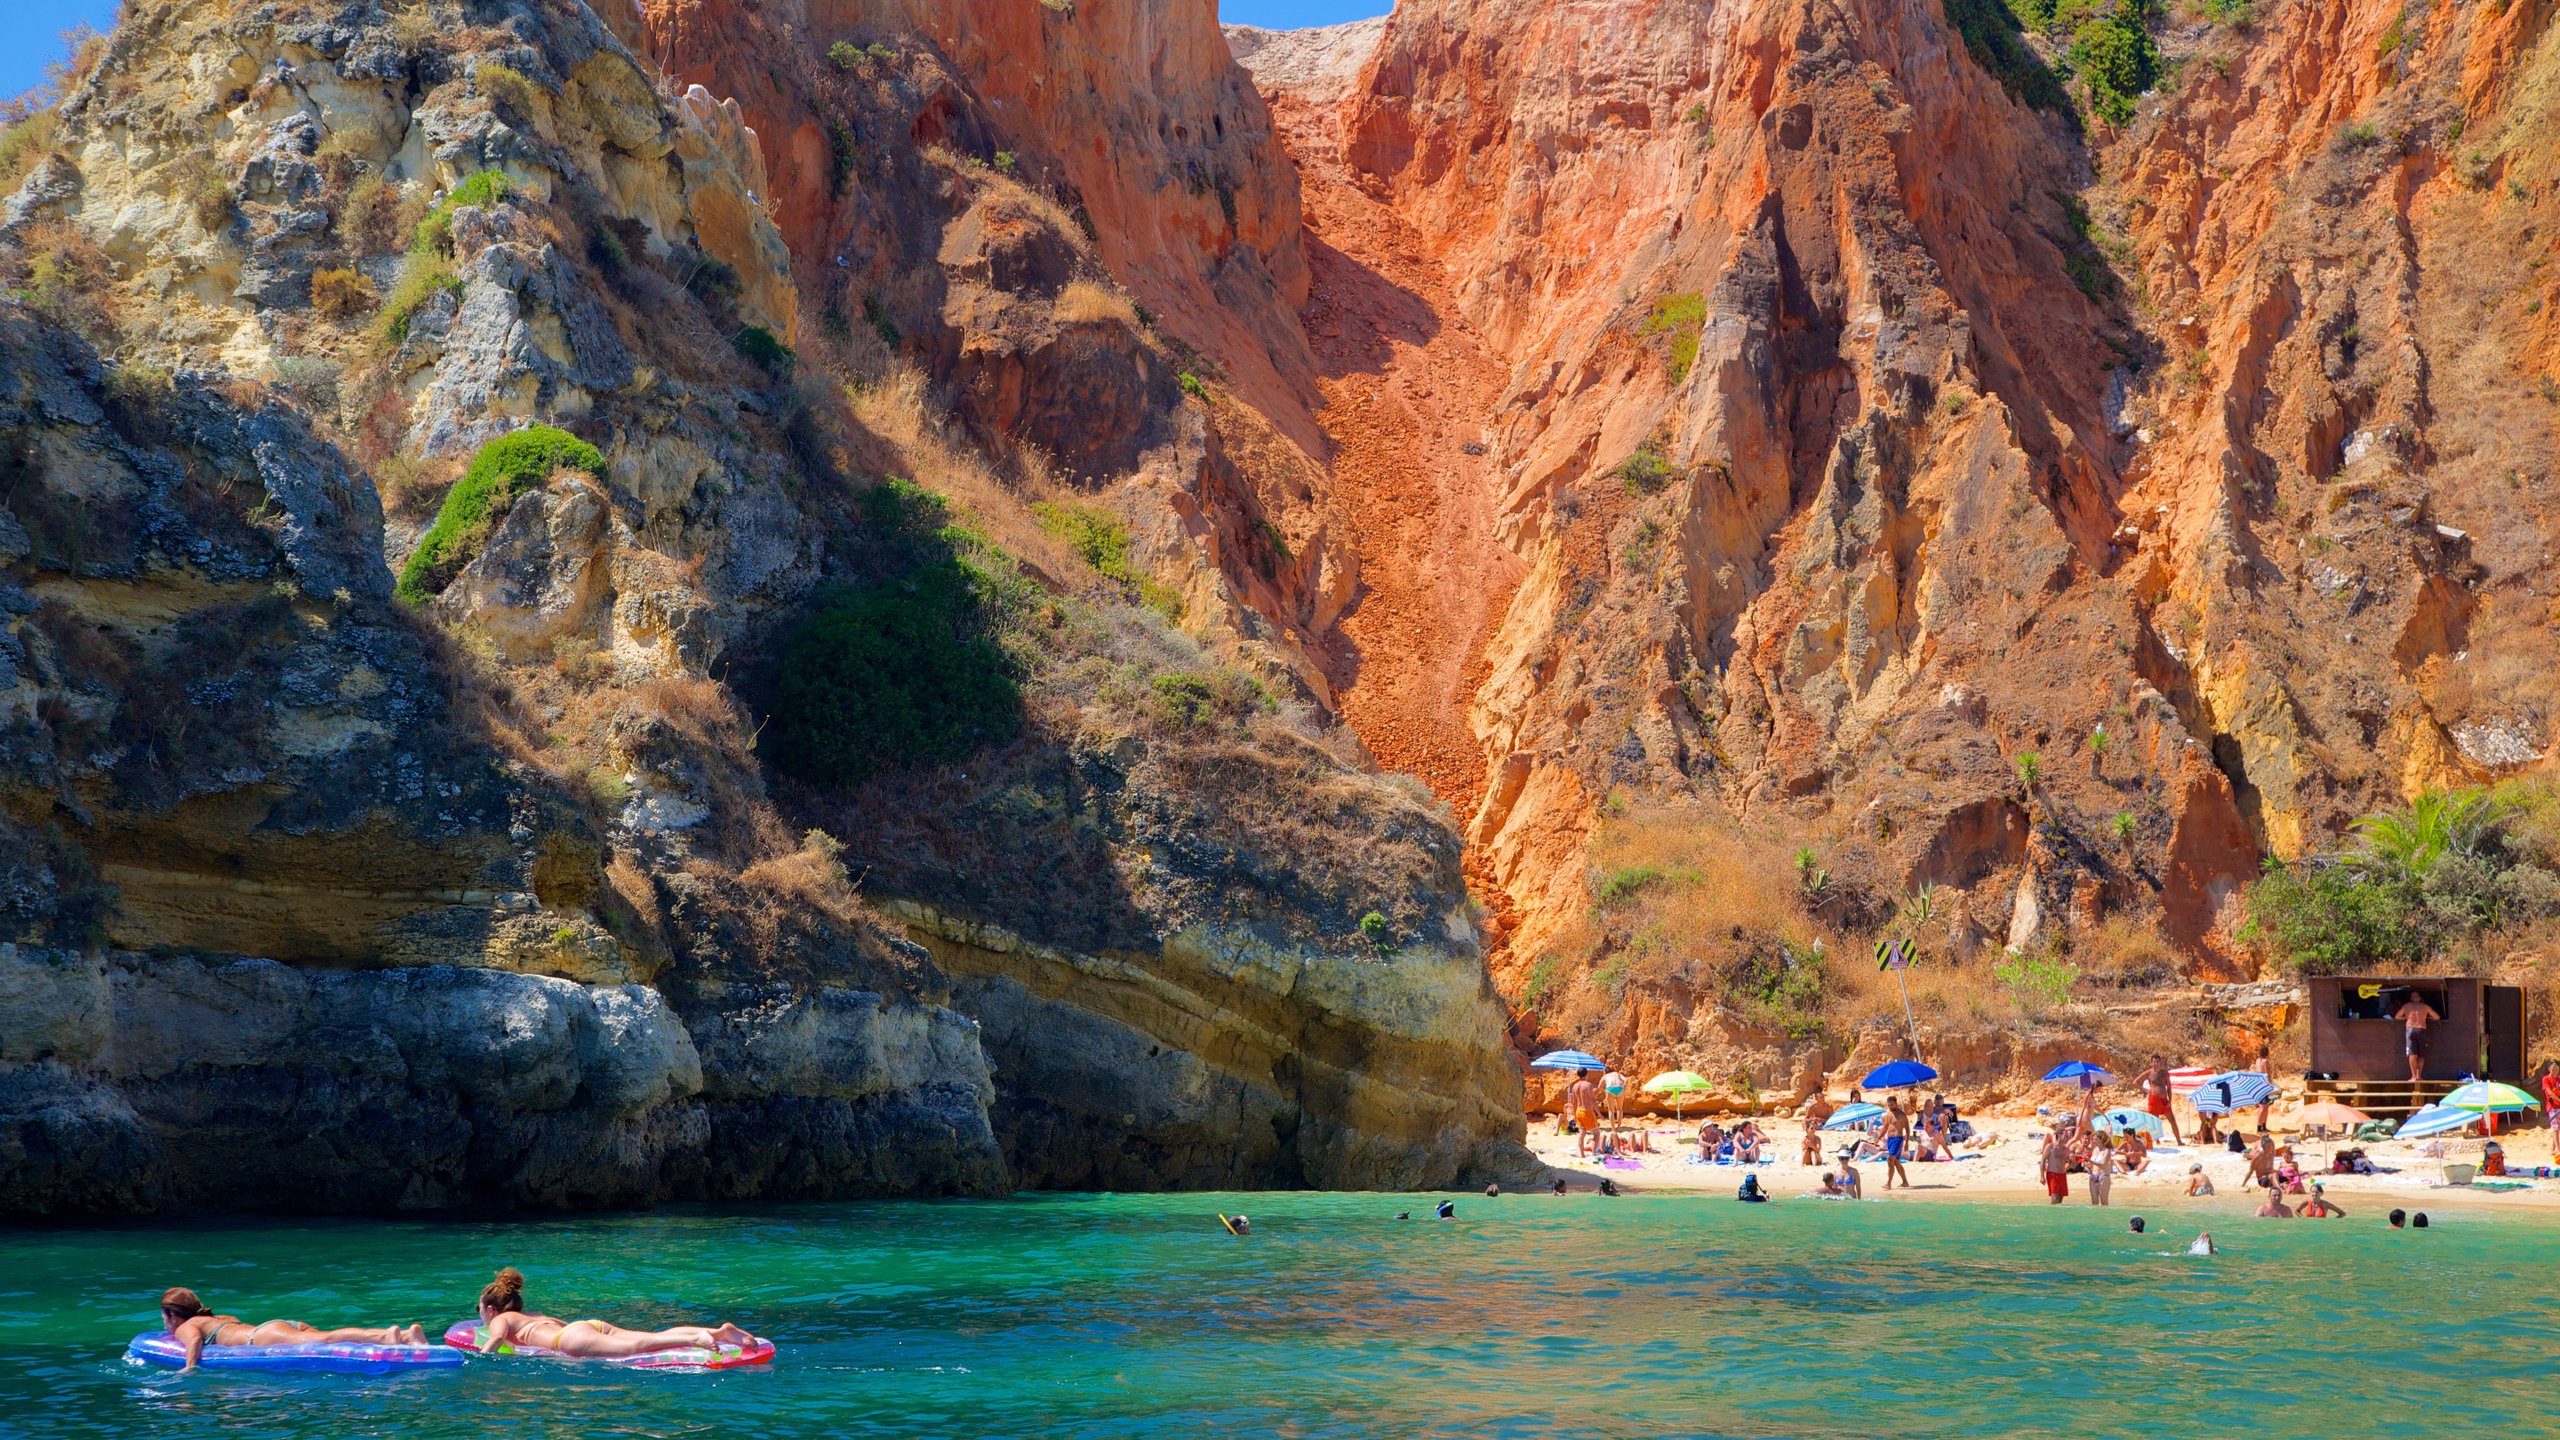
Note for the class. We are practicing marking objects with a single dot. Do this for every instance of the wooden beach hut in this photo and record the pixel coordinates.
(2356, 1046)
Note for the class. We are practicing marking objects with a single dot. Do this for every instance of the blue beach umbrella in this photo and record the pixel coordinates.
(1854, 1117)
(1567, 1060)
(2232, 1090)
(2116, 1122)
(2435, 1120)
(1895, 1074)
(2074, 1069)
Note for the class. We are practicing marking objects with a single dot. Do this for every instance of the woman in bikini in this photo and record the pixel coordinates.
(502, 1308)
(188, 1319)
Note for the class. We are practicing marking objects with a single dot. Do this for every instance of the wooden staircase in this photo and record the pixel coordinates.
(2383, 1099)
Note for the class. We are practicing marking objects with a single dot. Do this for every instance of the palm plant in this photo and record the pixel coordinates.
(2438, 825)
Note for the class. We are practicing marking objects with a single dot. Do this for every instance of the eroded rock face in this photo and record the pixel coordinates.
(595, 839)
(141, 1084)
(280, 930)
(1857, 442)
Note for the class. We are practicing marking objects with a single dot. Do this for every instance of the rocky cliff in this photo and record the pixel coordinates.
(2019, 510)
(549, 881)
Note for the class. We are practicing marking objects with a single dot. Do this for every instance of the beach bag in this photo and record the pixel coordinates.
(2235, 1144)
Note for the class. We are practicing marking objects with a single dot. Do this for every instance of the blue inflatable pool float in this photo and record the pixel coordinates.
(159, 1347)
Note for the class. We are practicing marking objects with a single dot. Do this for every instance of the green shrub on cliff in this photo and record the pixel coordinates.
(1683, 317)
(483, 190)
(764, 350)
(906, 670)
(1103, 542)
(2417, 886)
(504, 469)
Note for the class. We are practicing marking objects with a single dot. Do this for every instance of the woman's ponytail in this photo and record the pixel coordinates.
(504, 1293)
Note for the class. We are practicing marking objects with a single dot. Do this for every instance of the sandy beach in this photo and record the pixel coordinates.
(2003, 1167)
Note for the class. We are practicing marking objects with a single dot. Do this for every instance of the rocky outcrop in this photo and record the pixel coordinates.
(334, 259)
(219, 740)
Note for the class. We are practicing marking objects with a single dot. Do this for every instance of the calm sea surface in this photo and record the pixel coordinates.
(1135, 1316)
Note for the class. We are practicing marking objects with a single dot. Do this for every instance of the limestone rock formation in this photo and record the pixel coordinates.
(255, 800)
(219, 739)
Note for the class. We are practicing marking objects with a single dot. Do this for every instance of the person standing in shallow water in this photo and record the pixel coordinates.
(2101, 1166)
(2056, 1161)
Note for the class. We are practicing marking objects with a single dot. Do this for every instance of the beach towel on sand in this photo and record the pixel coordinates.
(1621, 1162)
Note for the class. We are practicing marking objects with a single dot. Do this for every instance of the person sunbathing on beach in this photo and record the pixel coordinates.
(1816, 1111)
(502, 1308)
(1747, 1141)
(2133, 1153)
(189, 1320)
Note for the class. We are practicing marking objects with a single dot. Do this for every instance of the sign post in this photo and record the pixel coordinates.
(1896, 956)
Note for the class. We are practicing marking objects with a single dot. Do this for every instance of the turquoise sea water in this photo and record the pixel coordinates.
(1135, 1316)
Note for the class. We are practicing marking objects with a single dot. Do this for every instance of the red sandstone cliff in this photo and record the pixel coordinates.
(2057, 518)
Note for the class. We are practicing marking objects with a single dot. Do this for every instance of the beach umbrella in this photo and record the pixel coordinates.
(2233, 1090)
(1679, 1085)
(2330, 1112)
(1567, 1060)
(2116, 1122)
(1854, 1117)
(1896, 1074)
(2185, 1079)
(2074, 1069)
(2434, 1120)
(2488, 1095)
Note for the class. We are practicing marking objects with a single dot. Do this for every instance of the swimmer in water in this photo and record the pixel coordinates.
(1448, 1211)
(2135, 1225)
(2202, 1244)
(193, 1324)
(1560, 1185)
(1236, 1224)
(502, 1309)
(1608, 1186)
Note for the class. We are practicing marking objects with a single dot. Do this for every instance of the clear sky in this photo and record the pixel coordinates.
(31, 30)
(1288, 14)
(31, 36)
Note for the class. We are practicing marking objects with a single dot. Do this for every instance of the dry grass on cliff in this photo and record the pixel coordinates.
(1085, 303)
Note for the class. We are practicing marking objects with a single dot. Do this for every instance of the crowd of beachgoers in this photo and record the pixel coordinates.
(2183, 1133)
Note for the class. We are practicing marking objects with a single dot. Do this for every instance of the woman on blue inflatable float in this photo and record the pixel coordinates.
(511, 1326)
(195, 1326)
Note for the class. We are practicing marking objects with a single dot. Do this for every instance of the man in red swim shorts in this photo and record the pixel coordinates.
(2057, 1168)
(2155, 1093)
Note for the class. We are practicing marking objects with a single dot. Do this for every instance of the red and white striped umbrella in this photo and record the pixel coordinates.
(2186, 1078)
